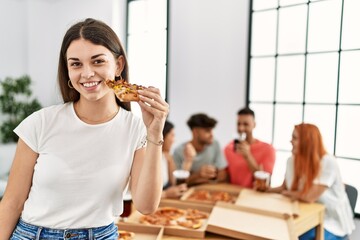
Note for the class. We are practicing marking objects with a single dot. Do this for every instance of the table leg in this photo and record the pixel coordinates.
(320, 227)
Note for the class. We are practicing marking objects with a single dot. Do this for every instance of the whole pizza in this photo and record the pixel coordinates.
(172, 216)
(211, 196)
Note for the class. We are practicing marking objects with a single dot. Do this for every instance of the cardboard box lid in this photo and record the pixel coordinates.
(272, 202)
(247, 223)
(142, 232)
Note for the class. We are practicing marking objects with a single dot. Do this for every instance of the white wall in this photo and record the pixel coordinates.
(35, 29)
(207, 52)
(207, 63)
(13, 49)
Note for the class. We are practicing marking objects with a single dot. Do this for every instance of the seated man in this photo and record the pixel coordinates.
(247, 154)
(202, 155)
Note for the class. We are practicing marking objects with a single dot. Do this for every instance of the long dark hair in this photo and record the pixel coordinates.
(98, 33)
(167, 128)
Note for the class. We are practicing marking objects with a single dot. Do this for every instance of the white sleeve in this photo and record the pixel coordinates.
(29, 131)
(327, 175)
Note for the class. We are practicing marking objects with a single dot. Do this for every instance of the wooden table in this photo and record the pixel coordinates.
(311, 215)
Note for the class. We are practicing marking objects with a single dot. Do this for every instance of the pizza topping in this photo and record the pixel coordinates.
(193, 214)
(125, 235)
(124, 91)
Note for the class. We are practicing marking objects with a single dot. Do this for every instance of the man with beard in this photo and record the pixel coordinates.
(247, 154)
(202, 155)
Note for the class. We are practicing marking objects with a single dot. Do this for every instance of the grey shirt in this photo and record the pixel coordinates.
(212, 155)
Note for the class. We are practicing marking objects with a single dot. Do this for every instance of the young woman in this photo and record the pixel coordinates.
(170, 189)
(74, 160)
(312, 175)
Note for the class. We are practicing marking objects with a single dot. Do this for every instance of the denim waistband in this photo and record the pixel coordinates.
(26, 231)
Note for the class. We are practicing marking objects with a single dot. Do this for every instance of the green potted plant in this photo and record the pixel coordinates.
(16, 103)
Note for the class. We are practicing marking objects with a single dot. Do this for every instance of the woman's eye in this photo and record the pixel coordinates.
(75, 64)
(99, 61)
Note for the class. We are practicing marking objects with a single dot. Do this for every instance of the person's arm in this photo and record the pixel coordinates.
(17, 190)
(243, 148)
(222, 175)
(146, 173)
(189, 155)
(279, 189)
(268, 160)
(221, 164)
(311, 196)
(171, 168)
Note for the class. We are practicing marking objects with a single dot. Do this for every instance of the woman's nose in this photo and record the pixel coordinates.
(87, 73)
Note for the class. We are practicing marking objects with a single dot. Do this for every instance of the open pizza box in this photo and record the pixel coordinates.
(271, 202)
(178, 230)
(213, 193)
(142, 232)
(240, 222)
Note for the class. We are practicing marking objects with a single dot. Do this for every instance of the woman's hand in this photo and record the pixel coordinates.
(154, 111)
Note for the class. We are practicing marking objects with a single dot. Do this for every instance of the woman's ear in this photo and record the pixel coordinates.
(120, 65)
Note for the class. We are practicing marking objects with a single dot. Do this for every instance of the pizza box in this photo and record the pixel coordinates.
(142, 232)
(227, 187)
(178, 230)
(247, 223)
(230, 190)
(185, 205)
(268, 201)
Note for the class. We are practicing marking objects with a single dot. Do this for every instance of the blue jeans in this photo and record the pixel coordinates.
(25, 231)
(310, 235)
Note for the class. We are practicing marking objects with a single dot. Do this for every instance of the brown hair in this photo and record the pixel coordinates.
(201, 120)
(246, 111)
(308, 156)
(98, 33)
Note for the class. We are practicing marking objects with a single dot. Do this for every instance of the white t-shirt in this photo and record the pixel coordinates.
(82, 169)
(338, 217)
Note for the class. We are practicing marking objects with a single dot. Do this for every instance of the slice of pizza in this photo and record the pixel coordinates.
(194, 214)
(190, 223)
(125, 235)
(124, 91)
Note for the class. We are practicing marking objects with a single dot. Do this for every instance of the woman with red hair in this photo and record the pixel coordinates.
(312, 175)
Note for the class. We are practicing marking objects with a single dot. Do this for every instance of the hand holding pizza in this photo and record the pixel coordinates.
(154, 110)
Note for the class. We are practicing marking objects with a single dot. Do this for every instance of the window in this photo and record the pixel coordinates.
(147, 44)
(303, 65)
